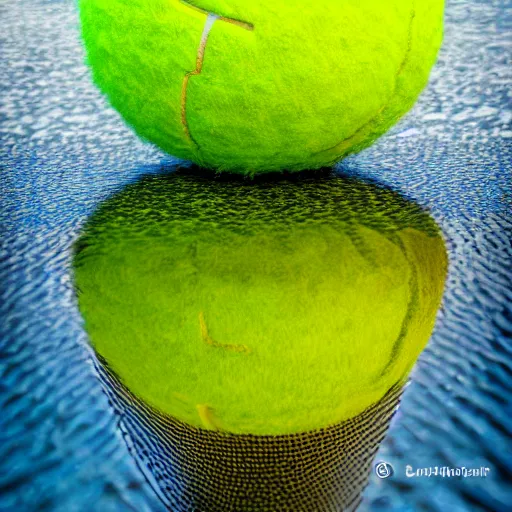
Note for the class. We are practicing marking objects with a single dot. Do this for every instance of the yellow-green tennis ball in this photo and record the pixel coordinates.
(267, 308)
(261, 85)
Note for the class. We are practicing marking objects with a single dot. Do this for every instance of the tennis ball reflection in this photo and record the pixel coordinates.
(259, 307)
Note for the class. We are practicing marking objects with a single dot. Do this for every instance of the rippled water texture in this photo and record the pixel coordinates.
(63, 152)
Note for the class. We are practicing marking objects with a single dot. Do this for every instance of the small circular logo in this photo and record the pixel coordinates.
(383, 470)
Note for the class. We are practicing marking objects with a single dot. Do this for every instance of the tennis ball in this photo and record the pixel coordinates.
(269, 308)
(263, 85)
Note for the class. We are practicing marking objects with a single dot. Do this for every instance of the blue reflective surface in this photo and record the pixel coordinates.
(63, 151)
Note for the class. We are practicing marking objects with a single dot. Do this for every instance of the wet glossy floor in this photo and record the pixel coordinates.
(63, 152)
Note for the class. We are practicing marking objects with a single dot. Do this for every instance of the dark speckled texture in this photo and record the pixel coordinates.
(63, 152)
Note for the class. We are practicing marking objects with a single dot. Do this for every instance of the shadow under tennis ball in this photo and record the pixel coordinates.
(256, 335)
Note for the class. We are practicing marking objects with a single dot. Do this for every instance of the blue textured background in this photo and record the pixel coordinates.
(63, 151)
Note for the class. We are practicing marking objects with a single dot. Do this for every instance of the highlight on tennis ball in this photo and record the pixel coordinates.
(265, 308)
(262, 85)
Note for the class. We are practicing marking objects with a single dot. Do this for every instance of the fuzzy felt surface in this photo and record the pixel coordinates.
(261, 86)
(265, 308)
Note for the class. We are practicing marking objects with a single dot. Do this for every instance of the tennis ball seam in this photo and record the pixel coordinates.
(208, 419)
(374, 118)
(227, 19)
(205, 335)
(412, 307)
(211, 18)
